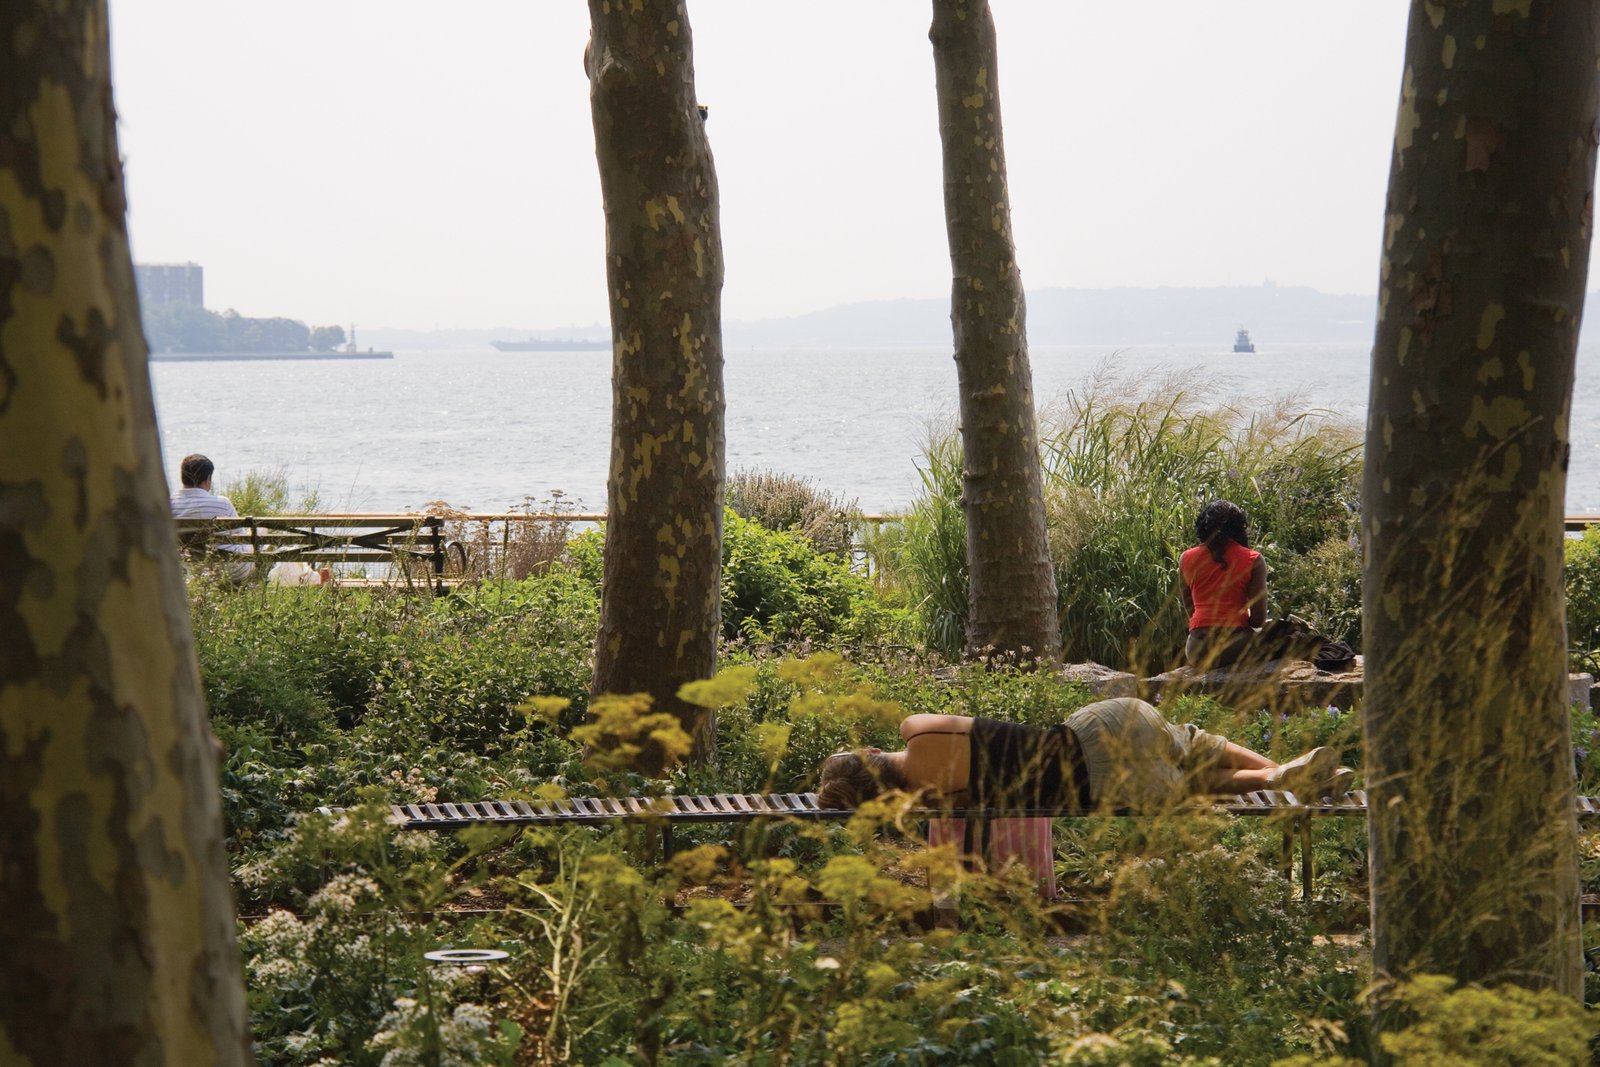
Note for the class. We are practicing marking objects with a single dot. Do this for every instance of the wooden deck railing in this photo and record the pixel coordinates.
(467, 544)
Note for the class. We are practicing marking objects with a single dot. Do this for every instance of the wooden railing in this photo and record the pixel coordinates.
(438, 546)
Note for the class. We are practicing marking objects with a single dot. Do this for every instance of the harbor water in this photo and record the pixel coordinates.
(487, 431)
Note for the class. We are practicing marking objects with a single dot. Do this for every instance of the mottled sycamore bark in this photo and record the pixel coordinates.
(1011, 599)
(660, 610)
(116, 926)
(1485, 254)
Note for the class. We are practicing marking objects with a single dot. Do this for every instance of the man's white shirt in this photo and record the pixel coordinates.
(192, 502)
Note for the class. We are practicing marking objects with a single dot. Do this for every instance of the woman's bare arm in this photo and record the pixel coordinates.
(1256, 593)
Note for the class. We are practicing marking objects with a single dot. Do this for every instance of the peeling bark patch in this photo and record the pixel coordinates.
(88, 347)
(1484, 138)
(54, 204)
(19, 659)
(37, 270)
(1500, 417)
(28, 938)
(105, 915)
(1408, 121)
(1431, 298)
(1493, 315)
(75, 471)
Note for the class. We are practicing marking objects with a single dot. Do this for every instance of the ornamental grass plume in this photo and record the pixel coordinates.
(1125, 466)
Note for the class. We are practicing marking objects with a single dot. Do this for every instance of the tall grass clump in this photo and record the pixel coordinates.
(788, 502)
(924, 555)
(527, 545)
(1125, 471)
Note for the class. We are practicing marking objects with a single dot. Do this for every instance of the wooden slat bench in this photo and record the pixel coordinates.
(399, 541)
(744, 807)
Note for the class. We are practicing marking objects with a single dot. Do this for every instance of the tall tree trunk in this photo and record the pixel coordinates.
(660, 610)
(1011, 593)
(116, 924)
(1486, 249)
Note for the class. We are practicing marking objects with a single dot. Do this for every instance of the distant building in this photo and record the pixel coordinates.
(170, 283)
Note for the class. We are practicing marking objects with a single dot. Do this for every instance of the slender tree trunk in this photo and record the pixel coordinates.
(660, 610)
(116, 924)
(1486, 248)
(1011, 594)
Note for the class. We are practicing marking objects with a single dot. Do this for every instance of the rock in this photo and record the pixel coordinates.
(1278, 684)
(1102, 681)
(1580, 689)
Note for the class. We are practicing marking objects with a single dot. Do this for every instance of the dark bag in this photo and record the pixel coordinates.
(1293, 638)
(1334, 655)
(1288, 638)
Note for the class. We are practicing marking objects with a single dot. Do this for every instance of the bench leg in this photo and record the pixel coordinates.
(1286, 861)
(1029, 842)
(1307, 874)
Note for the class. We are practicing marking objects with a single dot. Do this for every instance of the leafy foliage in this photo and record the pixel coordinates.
(1124, 475)
(1502, 1027)
(1583, 600)
(267, 493)
(784, 942)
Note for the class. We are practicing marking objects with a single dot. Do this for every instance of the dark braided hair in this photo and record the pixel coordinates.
(1218, 523)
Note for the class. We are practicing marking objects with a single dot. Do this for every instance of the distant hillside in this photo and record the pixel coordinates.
(1272, 313)
(392, 337)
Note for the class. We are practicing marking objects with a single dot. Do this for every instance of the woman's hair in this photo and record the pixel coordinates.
(849, 778)
(1218, 523)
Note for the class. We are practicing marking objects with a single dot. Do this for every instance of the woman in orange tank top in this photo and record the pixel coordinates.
(1223, 582)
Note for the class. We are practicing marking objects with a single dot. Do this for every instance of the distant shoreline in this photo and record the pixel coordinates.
(239, 357)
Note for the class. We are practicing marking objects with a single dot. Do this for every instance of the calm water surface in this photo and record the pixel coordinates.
(483, 430)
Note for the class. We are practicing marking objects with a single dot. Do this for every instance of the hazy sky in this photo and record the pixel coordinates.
(410, 164)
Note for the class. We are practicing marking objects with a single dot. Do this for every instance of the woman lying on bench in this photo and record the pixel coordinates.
(1114, 755)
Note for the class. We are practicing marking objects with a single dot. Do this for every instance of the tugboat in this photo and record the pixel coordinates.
(1242, 342)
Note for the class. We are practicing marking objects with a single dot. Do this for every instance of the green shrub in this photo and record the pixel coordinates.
(267, 493)
(347, 697)
(1209, 927)
(1470, 1026)
(777, 587)
(1583, 600)
(1322, 586)
(923, 558)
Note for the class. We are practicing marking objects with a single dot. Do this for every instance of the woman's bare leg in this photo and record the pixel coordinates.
(1237, 757)
(1240, 779)
(1320, 764)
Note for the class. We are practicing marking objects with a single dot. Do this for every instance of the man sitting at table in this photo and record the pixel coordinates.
(195, 500)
